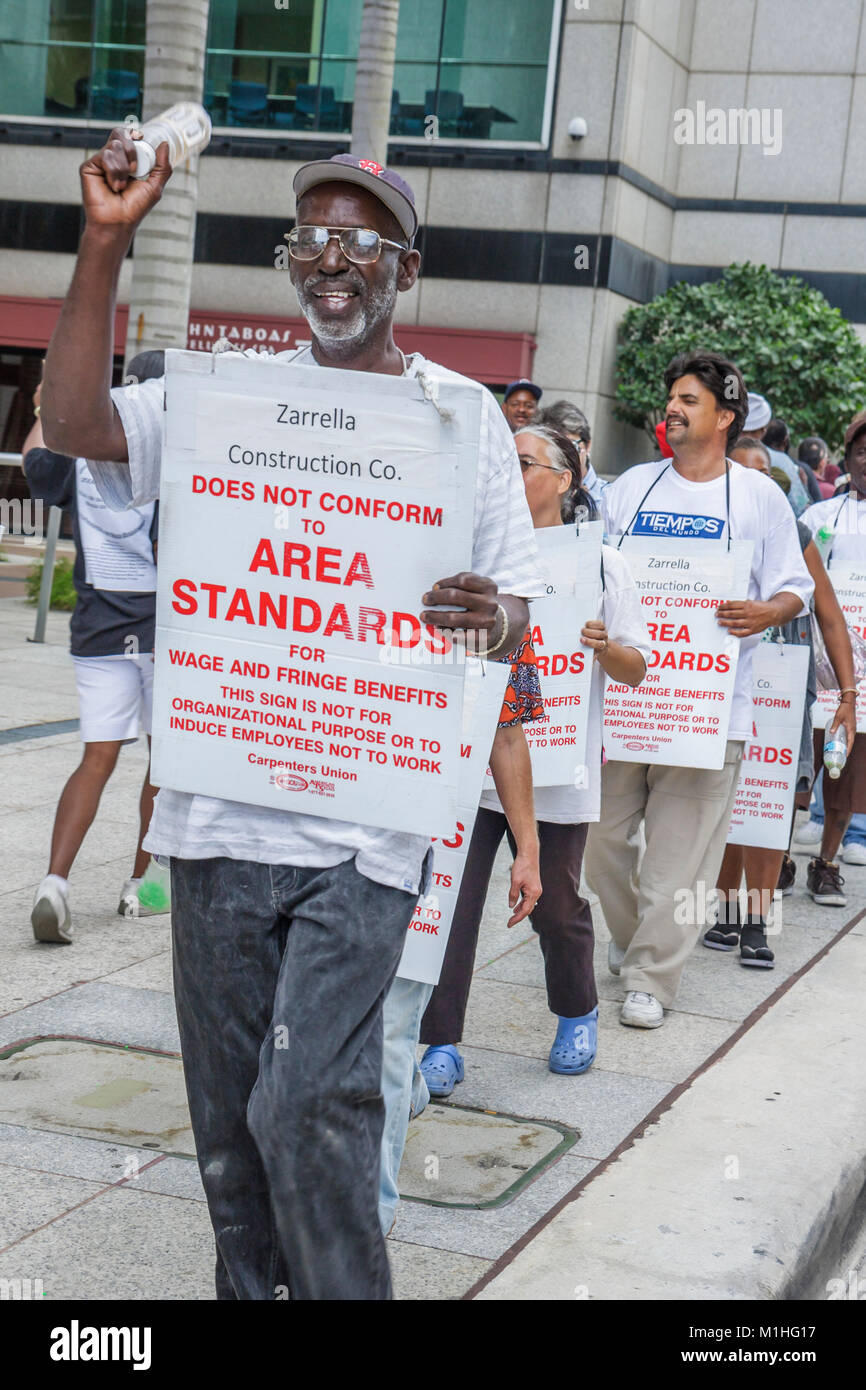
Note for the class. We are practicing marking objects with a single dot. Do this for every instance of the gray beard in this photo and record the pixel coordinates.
(343, 337)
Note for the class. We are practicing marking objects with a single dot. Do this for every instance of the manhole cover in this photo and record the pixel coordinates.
(470, 1158)
(98, 1092)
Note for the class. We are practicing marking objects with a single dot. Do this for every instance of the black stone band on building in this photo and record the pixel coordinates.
(448, 253)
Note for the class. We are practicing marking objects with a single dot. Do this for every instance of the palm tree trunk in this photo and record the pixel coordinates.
(163, 250)
(374, 79)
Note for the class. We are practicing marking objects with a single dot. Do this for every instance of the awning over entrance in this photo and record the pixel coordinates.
(491, 357)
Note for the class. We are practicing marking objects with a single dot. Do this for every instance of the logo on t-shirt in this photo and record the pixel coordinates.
(679, 524)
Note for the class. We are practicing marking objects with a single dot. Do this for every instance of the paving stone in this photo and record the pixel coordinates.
(125, 1244)
(421, 1273)
(604, 1105)
(68, 1155)
(31, 971)
(153, 973)
(176, 1177)
(107, 1013)
(515, 1019)
(29, 1200)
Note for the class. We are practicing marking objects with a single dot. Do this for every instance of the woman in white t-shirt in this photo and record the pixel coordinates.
(617, 634)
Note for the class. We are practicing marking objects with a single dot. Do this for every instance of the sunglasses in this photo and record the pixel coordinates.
(361, 245)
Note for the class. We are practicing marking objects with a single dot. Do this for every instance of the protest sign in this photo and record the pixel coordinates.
(764, 801)
(849, 582)
(304, 513)
(680, 714)
(571, 570)
(427, 934)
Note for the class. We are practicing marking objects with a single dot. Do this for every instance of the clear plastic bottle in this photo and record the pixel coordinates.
(835, 750)
(186, 127)
(154, 890)
(824, 540)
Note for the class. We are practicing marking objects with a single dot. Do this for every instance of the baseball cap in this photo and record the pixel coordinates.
(760, 413)
(857, 426)
(523, 385)
(383, 183)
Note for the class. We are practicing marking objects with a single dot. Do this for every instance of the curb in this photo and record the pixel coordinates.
(715, 1196)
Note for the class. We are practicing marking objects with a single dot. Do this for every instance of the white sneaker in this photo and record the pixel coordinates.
(855, 853)
(808, 836)
(51, 919)
(130, 904)
(642, 1010)
(615, 957)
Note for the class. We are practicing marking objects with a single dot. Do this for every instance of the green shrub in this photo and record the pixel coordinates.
(62, 589)
(789, 343)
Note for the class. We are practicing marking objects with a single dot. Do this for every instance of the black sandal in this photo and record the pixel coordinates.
(753, 944)
(725, 935)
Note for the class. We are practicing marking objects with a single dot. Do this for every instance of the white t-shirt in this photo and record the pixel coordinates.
(503, 548)
(680, 509)
(846, 517)
(620, 609)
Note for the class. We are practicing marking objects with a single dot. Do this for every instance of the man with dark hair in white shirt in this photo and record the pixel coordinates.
(280, 918)
(698, 493)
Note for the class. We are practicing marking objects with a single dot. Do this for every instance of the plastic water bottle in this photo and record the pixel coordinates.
(154, 890)
(186, 127)
(835, 751)
(824, 540)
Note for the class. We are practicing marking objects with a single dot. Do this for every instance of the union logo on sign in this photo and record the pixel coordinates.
(290, 782)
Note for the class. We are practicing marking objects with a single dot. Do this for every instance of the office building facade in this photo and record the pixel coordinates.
(569, 159)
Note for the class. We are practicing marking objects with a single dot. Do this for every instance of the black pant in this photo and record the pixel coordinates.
(562, 919)
(280, 975)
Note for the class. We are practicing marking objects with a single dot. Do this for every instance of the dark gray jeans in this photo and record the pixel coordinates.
(280, 975)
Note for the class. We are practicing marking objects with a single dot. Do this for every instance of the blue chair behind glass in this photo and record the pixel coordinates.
(248, 103)
(304, 115)
(448, 106)
(115, 93)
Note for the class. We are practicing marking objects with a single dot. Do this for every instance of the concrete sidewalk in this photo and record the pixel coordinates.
(98, 1217)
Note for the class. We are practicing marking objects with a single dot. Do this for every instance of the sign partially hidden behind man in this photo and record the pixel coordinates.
(681, 712)
(304, 511)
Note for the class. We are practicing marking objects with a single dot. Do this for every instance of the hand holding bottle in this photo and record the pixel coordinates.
(115, 199)
(835, 749)
(125, 179)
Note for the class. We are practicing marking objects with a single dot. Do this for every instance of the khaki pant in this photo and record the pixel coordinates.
(686, 812)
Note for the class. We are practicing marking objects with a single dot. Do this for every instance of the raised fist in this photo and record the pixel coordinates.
(112, 197)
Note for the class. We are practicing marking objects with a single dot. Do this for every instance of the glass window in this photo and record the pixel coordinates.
(72, 58)
(479, 67)
(262, 63)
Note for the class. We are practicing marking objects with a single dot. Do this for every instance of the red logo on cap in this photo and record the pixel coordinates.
(371, 166)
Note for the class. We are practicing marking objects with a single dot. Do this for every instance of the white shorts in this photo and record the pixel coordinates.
(115, 697)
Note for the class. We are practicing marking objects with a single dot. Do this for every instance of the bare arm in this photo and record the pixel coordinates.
(621, 663)
(746, 617)
(470, 604)
(34, 440)
(512, 774)
(834, 630)
(78, 416)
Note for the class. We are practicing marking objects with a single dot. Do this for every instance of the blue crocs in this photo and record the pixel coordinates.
(442, 1069)
(575, 1044)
